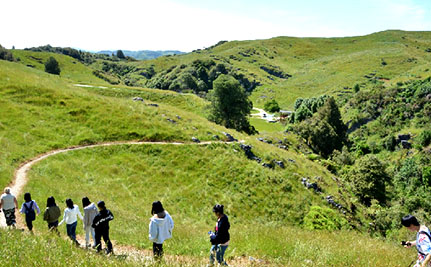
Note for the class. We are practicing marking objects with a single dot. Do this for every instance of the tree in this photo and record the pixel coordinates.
(324, 131)
(272, 106)
(230, 105)
(5, 54)
(302, 113)
(51, 66)
(330, 113)
(368, 178)
(120, 54)
(319, 135)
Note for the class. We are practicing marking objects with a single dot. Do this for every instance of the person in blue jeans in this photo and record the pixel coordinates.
(220, 238)
(70, 217)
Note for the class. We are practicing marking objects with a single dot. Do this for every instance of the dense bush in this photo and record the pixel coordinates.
(368, 178)
(424, 139)
(323, 218)
(306, 107)
(120, 54)
(324, 131)
(271, 106)
(5, 54)
(51, 66)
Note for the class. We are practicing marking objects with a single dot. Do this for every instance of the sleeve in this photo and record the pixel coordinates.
(36, 207)
(86, 217)
(22, 208)
(425, 244)
(93, 223)
(111, 216)
(79, 213)
(152, 231)
(64, 218)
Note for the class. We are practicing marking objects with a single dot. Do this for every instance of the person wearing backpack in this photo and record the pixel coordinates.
(422, 242)
(9, 204)
(51, 214)
(29, 208)
(71, 214)
(221, 237)
(160, 228)
(90, 211)
(101, 227)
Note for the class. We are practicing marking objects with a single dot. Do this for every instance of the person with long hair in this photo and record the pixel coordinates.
(29, 208)
(160, 228)
(90, 211)
(51, 214)
(221, 237)
(70, 217)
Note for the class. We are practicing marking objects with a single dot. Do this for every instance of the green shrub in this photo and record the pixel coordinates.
(389, 143)
(51, 66)
(5, 54)
(356, 88)
(424, 139)
(323, 218)
(271, 106)
(368, 178)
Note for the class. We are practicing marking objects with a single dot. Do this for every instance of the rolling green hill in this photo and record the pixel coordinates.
(287, 68)
(269, 207)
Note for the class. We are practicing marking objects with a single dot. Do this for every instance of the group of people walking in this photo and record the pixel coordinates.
(95, 219)
(96, 223)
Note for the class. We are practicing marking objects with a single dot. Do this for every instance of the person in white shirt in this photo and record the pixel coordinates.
(9, 204)
(29, 208)
(160, 228)
(70, 217)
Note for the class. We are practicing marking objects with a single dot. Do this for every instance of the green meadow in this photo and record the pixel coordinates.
(40, 112)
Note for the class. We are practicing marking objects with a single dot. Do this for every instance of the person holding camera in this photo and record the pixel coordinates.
(221, 237)
(422, 242)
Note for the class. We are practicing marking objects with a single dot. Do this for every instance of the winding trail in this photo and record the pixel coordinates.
(20, 178)
(139, 256)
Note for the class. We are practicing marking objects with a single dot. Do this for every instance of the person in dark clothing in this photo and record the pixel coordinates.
(221, 237)
(101, 227)
(29, 208)
(51, 214)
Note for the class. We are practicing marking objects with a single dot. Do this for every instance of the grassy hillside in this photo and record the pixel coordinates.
(316, 65)
(40, 112)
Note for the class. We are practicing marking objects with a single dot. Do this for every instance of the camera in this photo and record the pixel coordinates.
(405, 243)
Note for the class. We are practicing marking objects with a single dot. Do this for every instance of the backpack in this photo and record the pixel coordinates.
(29, 212)
(429, 237)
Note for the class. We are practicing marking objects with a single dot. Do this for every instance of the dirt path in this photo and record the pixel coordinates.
(140, 256)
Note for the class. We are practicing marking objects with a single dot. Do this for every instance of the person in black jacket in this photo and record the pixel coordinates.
(220, 238)
(101, 227)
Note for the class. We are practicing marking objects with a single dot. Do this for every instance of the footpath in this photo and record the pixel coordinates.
(138, 256)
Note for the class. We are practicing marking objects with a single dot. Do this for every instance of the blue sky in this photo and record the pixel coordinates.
(191, 24)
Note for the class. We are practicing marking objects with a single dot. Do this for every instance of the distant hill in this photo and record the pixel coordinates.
(143, 54)
(285, 68)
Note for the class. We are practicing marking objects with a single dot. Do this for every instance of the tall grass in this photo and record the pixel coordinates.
(262, 204)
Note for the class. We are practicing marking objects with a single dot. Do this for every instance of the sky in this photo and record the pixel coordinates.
(186, 25)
